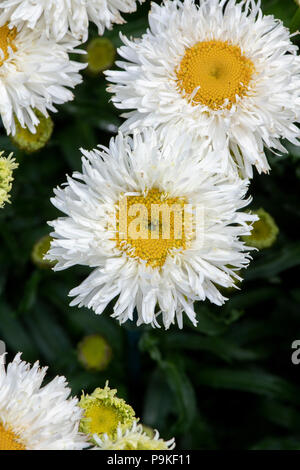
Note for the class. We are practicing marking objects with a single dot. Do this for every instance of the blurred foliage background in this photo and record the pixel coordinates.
(227, 384)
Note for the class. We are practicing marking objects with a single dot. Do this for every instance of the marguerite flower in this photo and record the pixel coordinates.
(133, 439)
(105, 413)
(56, 17)
(159, 231)
(221, 70)
(34, 417)
(35, 74)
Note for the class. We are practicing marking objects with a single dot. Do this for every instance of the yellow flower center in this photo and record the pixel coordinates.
(219, 69)
(9, 440)
(150, 227)
(102, 419)
(7, 42)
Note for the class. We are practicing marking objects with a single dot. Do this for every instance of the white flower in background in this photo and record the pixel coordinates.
(221, 70)
(133, 439)
(35, 73)
(56, 17)
(150, 269)
(34, 417)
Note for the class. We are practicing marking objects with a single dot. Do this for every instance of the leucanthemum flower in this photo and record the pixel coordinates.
(105, 413)
(153, 263)
(28, 82)
(133, 439)
(221, 70)
(57, 17)
(34, 417)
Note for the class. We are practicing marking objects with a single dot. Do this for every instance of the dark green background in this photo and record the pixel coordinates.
(230, 382)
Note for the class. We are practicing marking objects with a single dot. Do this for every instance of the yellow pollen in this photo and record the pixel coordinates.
(150, 227)
(9, 440)
(7, 42)
(102, 419)
(219, 69)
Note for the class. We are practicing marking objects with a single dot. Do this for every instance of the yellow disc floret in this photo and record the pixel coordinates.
(9, 440)
(214, 73)
(151, 226)
(104, 412)
(7, 42)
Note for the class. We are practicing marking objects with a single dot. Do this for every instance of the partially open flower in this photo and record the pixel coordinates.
(100, 55)
(40, 249)
(94, 352)
(133, 439)
(264, 232)
(29, 141)
(104, 413)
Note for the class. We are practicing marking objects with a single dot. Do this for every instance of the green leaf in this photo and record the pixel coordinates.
(274, 263)
(278, 443)
(220, 347)
(13, 333)
(252, 381)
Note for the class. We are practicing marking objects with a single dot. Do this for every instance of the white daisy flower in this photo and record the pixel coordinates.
(34, 73)
(221, 70)
(159, 231)
(133, 439)
(34, 417)
(56, 17)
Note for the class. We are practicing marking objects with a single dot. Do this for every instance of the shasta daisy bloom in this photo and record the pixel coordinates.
(57, 17)
(28, 82)
(105, 413)
(159, 231)
(33, 417)
(220, 70)
(133, 439)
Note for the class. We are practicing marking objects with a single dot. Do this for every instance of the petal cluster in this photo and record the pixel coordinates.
(43, 417)
(57, 17)
(29, 83)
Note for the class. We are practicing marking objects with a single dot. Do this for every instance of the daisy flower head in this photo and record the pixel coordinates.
(159, 231)
(218, 69)
(105, 413)
(57, 17)
(29, 83)
(33, 417)
(133, 439)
